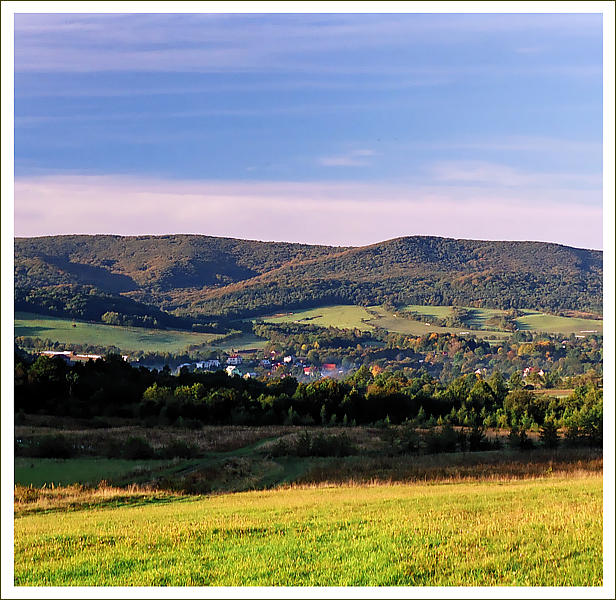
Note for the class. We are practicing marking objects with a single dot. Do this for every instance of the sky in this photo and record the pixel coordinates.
(342, 129)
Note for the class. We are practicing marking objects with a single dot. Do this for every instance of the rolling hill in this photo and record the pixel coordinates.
(203, 277)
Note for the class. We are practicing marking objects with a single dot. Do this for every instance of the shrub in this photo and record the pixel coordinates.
(444, 439)
(409, 439)
(331, 445)
(519, 440)
(137, 449)
(319, 445)
(51, 446)
(179, 449)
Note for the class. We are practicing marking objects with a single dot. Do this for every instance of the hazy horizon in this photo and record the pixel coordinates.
(287, 241)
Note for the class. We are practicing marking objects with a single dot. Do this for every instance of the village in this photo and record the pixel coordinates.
(241, 363)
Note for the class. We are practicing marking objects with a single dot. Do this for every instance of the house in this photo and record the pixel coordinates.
(528, 370)
(87, 357)
(67, 356)
(71, 357)
(235, 371)
(208, 364)
(328, 367)
(234, 359)
(266, 363)
(288, 359)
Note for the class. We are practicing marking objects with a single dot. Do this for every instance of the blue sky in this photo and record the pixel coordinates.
(321, 128)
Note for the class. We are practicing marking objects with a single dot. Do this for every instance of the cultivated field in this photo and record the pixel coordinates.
(545, 532)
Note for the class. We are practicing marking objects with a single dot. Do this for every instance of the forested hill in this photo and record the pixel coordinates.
(201, 275)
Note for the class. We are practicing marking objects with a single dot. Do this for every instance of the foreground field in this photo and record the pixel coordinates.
(544, 532)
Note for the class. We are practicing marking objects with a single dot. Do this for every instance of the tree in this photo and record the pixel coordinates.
(549, 433)
(111, 318)
(515, 381)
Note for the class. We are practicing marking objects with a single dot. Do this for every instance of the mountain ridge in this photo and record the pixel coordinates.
(200, 276)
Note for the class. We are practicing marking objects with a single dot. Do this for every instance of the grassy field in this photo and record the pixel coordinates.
(55, 471)
(244, 342)
(545, 532)
(126, 338)
(367, 318)
(536, 321)
(344, 316)
(130, 339)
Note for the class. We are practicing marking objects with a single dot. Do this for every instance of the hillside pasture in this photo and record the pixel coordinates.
(367, 318)
(342, 316)
(536, 321)
(246, 341)
(127, 339)
(539, 532)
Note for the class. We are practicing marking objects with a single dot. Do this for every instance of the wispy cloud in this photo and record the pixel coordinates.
(201, 42)
(491, 174)
(354, 158)
(344, 213)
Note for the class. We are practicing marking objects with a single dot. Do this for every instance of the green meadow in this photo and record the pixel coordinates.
(366, 318)
(343, 316)
(534, 532)
(536, 321)
(40, 472)
(126, 338)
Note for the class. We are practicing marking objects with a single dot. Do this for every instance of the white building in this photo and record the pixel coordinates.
(208, 364)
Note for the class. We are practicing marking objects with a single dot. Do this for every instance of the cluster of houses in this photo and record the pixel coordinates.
(530, 370)
(236, 365)
(72, 357)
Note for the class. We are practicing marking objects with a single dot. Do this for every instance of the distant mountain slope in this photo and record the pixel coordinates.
(428, 270)
(201, 275)
(148, 268)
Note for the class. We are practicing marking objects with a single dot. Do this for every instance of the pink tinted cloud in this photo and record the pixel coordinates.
(326, 213)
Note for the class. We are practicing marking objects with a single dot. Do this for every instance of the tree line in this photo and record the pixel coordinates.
(111, 387)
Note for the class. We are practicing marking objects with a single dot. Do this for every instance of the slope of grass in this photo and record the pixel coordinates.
(536, 321)
(540, 532)
(345, 316)
(364, 319)
(126, 338)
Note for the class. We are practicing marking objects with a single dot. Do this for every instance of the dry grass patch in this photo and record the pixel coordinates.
(28, 499)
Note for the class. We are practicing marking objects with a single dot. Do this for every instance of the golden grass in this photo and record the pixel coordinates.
(29, 499)
(544, 532)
